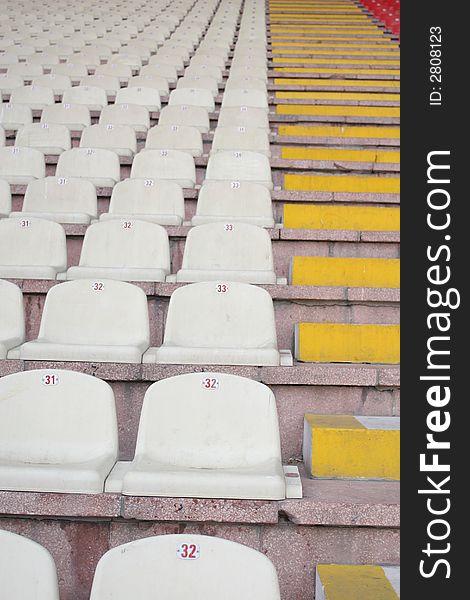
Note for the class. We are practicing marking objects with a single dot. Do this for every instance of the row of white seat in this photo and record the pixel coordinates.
(74, 200)
(215, 322)
(201, 435)
(133, 250)
(165, 566)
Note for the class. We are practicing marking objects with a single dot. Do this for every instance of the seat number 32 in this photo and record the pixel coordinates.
(188, 551)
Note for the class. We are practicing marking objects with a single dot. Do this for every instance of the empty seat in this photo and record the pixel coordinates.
(74, 71)
(122, 72)
(108, 83)
(146, 199)
(243, 116)
(166, 563)
(206, 83)
(248, 83)
(234, 202)
(241, 138)
(25, 70)
(32, 248)
(27, 570)
(45, 59)
(175, 137)
(5, 198)
(60, 199)
(121, 139)
(192, 116)
(74, 116)
(229, 251)
(12, 328)
(21, 165)
(149, 97)
(98, 165)
(192, 97)
(57, 83)
(245, 97)
(171, 165)
(153, 82)
(50, 139)
(169, 72)
(8, 83)
(90, 320)
(248, 71)
(58, 432)
(204, 71)
(14, 116)
(132, 115)
(166, 59)
(202, 58)
(220, 323)
(240, 166)
(205, 435)
(127, 250)
(94, 98)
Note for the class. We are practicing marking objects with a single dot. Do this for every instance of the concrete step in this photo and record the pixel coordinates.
(357, 582)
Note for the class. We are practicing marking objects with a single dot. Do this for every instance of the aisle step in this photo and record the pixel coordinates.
(350, 218)
(357, 582)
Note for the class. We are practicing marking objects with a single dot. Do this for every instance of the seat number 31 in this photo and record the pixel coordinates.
(188, 551)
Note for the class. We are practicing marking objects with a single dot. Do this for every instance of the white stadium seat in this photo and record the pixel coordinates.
(240, 137)
(207, 83)
(240, 166)
(97, 165)
(21, 165)
(57, 83)
(33, 96)
(171, 165)
(15, 116)
(5, 198)
(12, 327)
(121, 139)
(132, 115)
(74, 116)
(243, 116)
(50, 139)
(192, 97)
(245, 97)
(149, 82)
(175, 137)
(192, 116)
(94, 98)
(147, 97)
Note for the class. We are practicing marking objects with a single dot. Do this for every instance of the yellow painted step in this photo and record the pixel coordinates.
(356, 582)
(341, 218)
(345, 272)
(338, 154)
(311, 51)
(342, 184)
(339, 61)
(338, 110)
(339, 131)
(365, 96)
(347, 343)
(354, 40)
(337, 82)
(308, 44)
(339, 71)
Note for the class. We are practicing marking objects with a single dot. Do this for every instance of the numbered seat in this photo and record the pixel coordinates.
(234, 202)
(121, 139)
(110, 84)
(192, 97)
(229, 251)
(191, 116)
(122, 72)
(97, 165)
(167, 71)
(25, 70)
(170, 165)
(21, 165)
(240, 137)
(175, 137)
(57, 83)
(245, 83)
(149, 98)
(201, 58)
(167, 59)
(49, 139)
(126, 58)
(90, 320)
(94, 98)
(174, 49)
(245, 97)
(205, 83)
(75, 71)
(27, 570)
(217, 416)
(60, 199)
(58, 432)
(204, 71)
(15, 116)
(223, 569)
(241, 70)
(159, 202)
(8, 83)
(132, 115)
(74, 116)
(153, 82)
(12, 327)
(5, 198)
(243, 116)
(45, 59)
(240, 166)
(220, 323)
(32, 248)
(33, 96)
(125, 250)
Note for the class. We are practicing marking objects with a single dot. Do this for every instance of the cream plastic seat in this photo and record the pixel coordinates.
(15, 116)
(46, 60)
(240, 137)
(149, 98)
(239, 166)
(32, 248)
(74, 116)
(159, 202)
(192, 97)
(94, 98)
(234, 202)
(220, 323)
(243, 116)
(245, 97)
(225, 570)
(204, 71)
(50, 139)
(192, 116)
(205, 435)
(108, 83)
(58, 432)
(166, 59)
(75, 71)
(205, 83)
(126, 58)
(97, 165)
(8, 83)
(25, 70)
(5, 198)
(57, 83)
(175, 137)
(12, 327)
(167, 71)
(247, 83)
(121, 139)
(229, 251)
(201, 58)
(249, 71)
(60, 199)
(171, 165)
(20, 165)
(126, 250)
(122, 72)
(173, 49)
(27, 569)
(160, 84)
(132, 115)
(91, 320)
